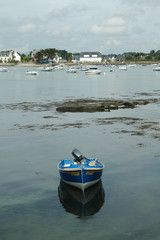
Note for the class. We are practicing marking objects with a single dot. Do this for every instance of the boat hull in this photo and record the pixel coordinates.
(82, 177)
(72, 71)
(3, 69)
(156, 69)
(31, 73)
(81, 186)
(93, 72)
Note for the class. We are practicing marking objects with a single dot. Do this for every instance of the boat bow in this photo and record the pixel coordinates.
(81, 172)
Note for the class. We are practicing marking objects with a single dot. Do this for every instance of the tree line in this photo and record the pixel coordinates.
(51, 53)
(46, 54)
(139, 56)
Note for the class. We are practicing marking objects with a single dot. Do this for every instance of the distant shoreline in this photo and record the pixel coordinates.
(31, 64)
(20, 64)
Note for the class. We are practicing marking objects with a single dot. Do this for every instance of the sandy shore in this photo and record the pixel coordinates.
(31, 64)
(20, 64)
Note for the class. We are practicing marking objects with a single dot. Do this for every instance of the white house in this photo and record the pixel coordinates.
(90, 57)
(6, 56)
(16, 56)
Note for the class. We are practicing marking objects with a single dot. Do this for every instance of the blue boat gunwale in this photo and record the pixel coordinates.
(71, 165)
(80, 172)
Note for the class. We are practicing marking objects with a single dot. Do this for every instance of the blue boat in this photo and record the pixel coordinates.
(81, 172)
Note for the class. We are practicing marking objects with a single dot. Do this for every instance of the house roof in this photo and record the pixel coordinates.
(90, 54)
(4, 53)
(75, 57)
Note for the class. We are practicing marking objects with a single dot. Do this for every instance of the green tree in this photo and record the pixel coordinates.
(50, 53)
(152, 52)
(64, 54)
(39, 56)
(149, 57)
(129, 57)
(25, 58)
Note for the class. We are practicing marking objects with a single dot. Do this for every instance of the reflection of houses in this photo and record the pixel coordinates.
(7, 56)
(90, 57)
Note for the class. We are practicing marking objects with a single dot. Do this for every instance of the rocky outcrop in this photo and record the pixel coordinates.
(89, 105)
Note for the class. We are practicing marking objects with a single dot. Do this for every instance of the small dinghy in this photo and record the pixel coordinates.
(72, 70)
(31, 73)
(81, 172)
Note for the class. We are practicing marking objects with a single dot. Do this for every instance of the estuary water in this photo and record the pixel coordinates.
(34, 204)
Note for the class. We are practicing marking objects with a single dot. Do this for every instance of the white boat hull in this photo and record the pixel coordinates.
(93, 72)
(3, 69)
(81, 186)
(156, 69)
(31, 73)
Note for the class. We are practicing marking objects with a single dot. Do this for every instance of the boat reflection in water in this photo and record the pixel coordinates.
(79, 203)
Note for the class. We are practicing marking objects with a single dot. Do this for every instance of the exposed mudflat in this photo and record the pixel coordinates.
(137, 127)
(88, 105)
(54, 119)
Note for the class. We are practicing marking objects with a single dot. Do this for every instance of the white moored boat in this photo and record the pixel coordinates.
(72, 70)
(124, 67)
(156, 68)
(32, 73)
(93, 70)
(47, 69)
(3, 69)
(59, 67)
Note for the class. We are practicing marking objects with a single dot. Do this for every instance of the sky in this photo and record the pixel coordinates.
(107, 26)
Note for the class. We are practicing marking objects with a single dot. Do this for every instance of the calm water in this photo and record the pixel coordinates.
(34, 204)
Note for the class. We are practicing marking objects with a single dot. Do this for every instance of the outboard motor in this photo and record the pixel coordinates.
(77, 154)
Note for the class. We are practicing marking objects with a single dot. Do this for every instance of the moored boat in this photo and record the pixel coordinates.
(84, 68)
(32, 73)
(81, 172)
(93, 70)
(47, 69)
(72, 70)
(156, 68)
(123, 67)
(3, 69)
(59, 67)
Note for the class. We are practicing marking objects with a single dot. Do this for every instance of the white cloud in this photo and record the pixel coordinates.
(62, 32)
(112, 42)
(75, 25)
(145, 3)
(138, 30)
(22, 49)
(115, 21)
(29, 27)
(57, 13)
(69, 11)
(155, 43)
(112, 26)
